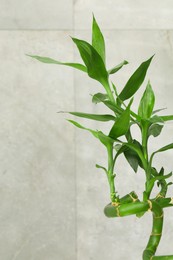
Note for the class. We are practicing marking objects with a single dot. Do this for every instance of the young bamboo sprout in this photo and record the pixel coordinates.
(122, 117)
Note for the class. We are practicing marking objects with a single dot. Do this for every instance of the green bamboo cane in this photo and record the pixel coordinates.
(129, 205)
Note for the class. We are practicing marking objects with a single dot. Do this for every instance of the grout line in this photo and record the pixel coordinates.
(89, 29)
(44, 30)
(126, 29)
(75, 145)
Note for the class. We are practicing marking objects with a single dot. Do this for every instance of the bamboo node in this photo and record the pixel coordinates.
(118, 212)
(156, 234)
(133, 199)
(115, 204)
(159, 216)
(150, 205)
(159, 196)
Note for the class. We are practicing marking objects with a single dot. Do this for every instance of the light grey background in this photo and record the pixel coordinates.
(51, 195)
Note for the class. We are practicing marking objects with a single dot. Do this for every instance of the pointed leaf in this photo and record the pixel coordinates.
(122, 124)
(135, 81)
(161, 172)
(158, 110)
(165, 148)
(121, 150)
(151, 182)
(101, 167)
(156, 119)
(155, 130)
(132, 159)
(52, 61)
(146, 104)
(103, 118)
(115, 108)
(162, 149)
(115, 89)
(154, 172)
(99, 97)
(93, 61)
(136, 148)
(97, 39)
(104, 139)
(95, 133)
(117, 67)
(132, 155)
(167, 118)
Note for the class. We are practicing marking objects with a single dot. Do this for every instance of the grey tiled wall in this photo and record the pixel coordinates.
(51, 195)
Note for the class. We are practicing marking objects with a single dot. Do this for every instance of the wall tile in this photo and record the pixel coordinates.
(45, 167)
(40, 14)
(126, 14)
(37, 183)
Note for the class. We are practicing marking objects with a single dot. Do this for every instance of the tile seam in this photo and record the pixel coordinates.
(75, 146)
(76, 29)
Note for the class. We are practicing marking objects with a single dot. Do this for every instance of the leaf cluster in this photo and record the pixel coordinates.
(119, 102)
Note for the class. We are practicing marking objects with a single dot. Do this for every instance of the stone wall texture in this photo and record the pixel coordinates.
(51, 195)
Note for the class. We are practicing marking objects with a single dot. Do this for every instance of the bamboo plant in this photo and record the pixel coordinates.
(120, 141)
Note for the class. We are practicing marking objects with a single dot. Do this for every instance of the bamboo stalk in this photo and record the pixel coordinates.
(156, 233)
(130, 205)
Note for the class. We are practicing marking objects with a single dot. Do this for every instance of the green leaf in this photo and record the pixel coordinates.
(115, 108)
(158, 110)
(115, 89)
(93, 61)
(154, 172)
(167, 118)
(135, 81)
(162, 149)
(99, 97)
(146, 104)
(156, 119)
(132, 159)
(101, 167)
(151, 182)
(117, 67)
(165, 148)
(155, 130)
(132, 156)
(161, 172)
(93, 132)
(97, 39)
(121, 150)
(122, 124)
(104, 139)
(136, 148)
(135, 151)
(52, 61)
(103, 118)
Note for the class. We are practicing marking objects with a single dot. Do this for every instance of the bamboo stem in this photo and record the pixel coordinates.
(130, 205)
(156, 234)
